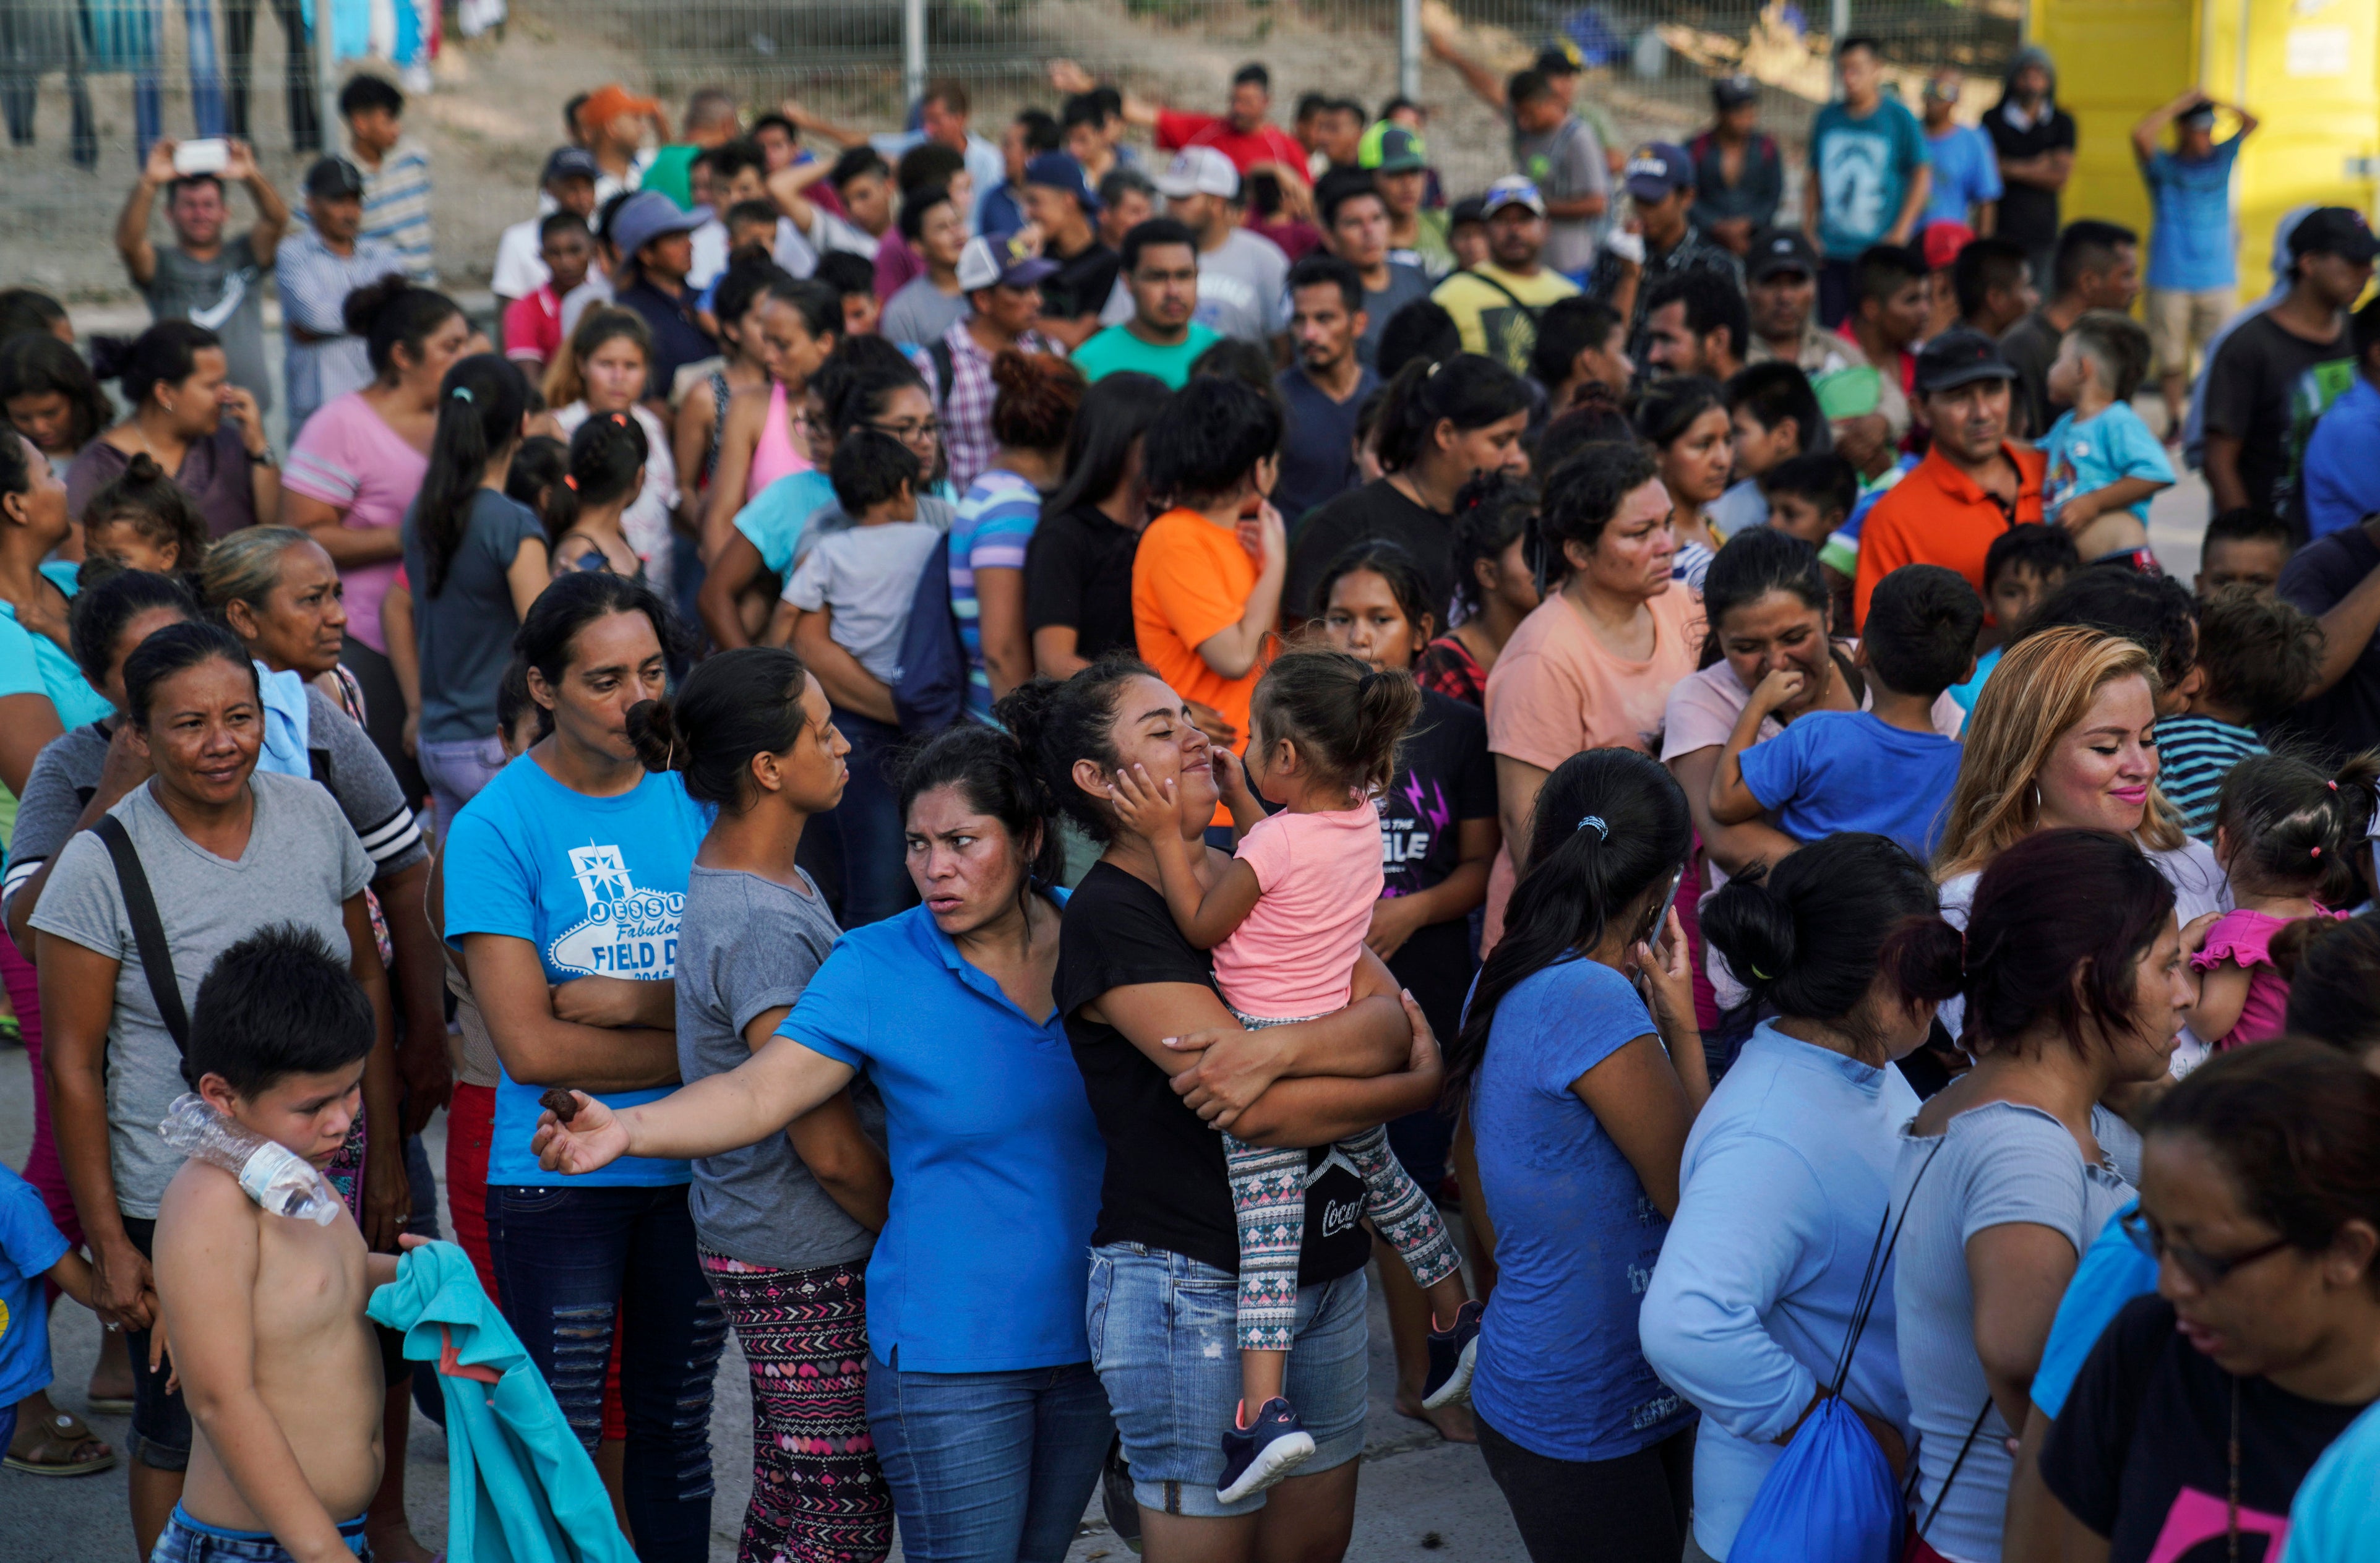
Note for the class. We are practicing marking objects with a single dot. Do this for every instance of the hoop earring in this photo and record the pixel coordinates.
(2036, 802)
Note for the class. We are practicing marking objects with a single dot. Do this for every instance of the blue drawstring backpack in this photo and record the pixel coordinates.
(1830, 1497)
(931, 688)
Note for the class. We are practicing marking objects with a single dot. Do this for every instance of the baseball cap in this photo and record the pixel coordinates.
(1470, 209)
(335, 178)
(2202, 117)
(1942, 241)
(610, 101)
(1734, 92)
(1200, 170)
(1511, 190)
(2334, 230)
(569, 163)
(648, 215)
(1390, 148)
(989, 262)
(1558, 57)
(1959, 356)
(1780, 249)
(1059, 171)
(1658, 169)
(1942, 89)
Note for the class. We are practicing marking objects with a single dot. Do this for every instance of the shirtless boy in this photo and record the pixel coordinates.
(266, 1313)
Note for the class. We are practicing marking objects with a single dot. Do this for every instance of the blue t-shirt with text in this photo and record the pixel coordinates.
(2192, 248)
(1863, 165)
(1851, 771)
(1560, 1372)
(598, 885)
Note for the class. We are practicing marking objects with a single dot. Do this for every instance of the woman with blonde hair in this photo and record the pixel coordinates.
(602, 370)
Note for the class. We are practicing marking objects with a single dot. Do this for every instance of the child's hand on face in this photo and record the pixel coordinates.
(1147, 807)
(1230, 777)
(1780, 687)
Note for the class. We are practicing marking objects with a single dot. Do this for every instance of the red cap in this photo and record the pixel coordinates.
(1942, 242)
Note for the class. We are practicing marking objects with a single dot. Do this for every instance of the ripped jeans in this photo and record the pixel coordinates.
(574, 1263)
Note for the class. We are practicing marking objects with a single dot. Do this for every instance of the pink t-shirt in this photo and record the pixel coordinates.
(351, 459)
(2246, 936)
(1294, 956)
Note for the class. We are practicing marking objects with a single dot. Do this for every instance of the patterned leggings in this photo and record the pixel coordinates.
(817, 1495)
(1268, 1198)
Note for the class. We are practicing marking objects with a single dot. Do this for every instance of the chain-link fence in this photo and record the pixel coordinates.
(82, 78)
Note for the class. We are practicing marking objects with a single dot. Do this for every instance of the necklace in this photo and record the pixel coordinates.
(2231, 1526)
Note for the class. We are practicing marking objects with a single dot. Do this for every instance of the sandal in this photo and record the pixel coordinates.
(62, 1446)
(108, 1405)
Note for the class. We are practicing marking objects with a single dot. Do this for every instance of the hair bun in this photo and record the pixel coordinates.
(652, 732)
(363, 305)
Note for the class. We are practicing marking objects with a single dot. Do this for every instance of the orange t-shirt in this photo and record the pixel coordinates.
(1940, 515)
(1556, 691)
(1190, 581)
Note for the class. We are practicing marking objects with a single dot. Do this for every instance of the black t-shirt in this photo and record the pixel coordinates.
(1376, 510)
(1165, 1184)
(1444, 776)
(1078, 573)
(2265, 388)
(2140, 1452)
(2345, 720)
(2028, 214)
(1082, 283)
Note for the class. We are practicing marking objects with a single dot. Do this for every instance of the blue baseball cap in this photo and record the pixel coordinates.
(1513, 190)
(1059, 171)
(1658, 169)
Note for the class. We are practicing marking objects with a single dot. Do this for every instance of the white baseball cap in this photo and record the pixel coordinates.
(1201, 171)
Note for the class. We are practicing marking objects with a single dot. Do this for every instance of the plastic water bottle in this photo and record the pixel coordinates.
(275, 1176)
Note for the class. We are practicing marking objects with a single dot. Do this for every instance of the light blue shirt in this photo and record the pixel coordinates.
(1966, 173)
(1863, 165)
(983, 1264)
(31, 663)
(1965, 694)
(314, 282)
(2339, 477)
(2087, 456)
(2113, 1271)
(1560, 1370)
(2336, 1517)
(1785, 1182)
(1851, 771)
(2193, 245)
(774, 518)
(598, 885)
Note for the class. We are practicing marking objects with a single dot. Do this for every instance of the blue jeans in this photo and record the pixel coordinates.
(206, 77)
(989, 1467)
(857, 846)
(570, 1262)
(185, 1540)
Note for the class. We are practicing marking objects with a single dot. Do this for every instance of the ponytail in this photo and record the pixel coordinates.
(1468, 390)
(734, 706)
(481, 404)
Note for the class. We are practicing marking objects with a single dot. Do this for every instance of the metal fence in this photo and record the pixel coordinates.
(496, 106)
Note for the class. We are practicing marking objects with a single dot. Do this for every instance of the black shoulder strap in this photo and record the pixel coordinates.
(147, 929)
(945, 365)
(1518, 302)
(317, 763)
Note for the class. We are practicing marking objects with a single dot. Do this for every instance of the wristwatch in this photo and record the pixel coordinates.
(263, 458)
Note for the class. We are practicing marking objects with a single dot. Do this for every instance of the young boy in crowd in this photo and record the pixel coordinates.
(533, 322)
(2242, 548)
(1885, 768)
(847, 604)
(396, 171)
(751, 230)
(2104, 463)
(265, 1312)
(1775, 415)
(2023, 565)
(33, 1253)
(854, 278)
(2256, 656)
(1808, 496)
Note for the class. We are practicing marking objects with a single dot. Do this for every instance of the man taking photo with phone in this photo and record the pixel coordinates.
(201, 276)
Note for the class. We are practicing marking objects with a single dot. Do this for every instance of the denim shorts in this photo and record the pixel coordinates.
(1163, 1328)
(194, 1541)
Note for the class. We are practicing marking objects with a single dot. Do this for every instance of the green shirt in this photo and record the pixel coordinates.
(671, 172)
(1117, 348)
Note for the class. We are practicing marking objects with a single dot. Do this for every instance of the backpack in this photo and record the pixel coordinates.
(929, 693)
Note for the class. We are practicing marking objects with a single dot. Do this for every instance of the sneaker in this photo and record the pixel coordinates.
(1452, 1355)
(1116, 1501)
(1254, 1458)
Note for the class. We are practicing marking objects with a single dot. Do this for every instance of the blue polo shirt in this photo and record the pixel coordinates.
(2191, 246)
(983, 1265)
(598, 885)
(2338, 482)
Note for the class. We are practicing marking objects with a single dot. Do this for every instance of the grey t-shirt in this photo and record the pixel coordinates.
(66, 773)
(919, 312)
(830, 517)
(466, 629)
(224, 295)
(301, 865)
(1567, 162)
(868, 576)
(1241, 287)
(1406, 285)
(1999, 1164)
(745, 947)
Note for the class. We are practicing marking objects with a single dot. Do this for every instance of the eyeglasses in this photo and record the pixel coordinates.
(2204, 1269)
(909, 433)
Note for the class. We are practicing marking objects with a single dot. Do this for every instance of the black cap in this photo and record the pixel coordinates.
(1558, 57)
(335, 178)
(1779, 249)
(2334, 230)
(1470, 209)
(1734, 92)
(1959, 356)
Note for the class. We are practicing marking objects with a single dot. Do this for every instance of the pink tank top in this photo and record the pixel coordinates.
(775, 456)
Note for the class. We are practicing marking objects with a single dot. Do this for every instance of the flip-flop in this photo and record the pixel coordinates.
(62, 1448)
(108, 1405)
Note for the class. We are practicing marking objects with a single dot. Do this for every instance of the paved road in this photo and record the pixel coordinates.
(1422, 1497)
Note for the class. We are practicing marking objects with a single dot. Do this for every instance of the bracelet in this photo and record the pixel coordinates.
(263, 457)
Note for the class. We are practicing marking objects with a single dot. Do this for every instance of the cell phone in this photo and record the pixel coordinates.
(210, 154)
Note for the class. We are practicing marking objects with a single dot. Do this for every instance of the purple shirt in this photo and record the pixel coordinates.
(214, 473)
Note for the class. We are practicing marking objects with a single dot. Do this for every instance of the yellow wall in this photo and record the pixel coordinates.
(2310, 72)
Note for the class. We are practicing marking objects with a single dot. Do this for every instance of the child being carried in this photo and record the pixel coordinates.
(1286, 921)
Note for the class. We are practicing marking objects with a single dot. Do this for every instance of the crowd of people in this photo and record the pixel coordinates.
(1179, 718)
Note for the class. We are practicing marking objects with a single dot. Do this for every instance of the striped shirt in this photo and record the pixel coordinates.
(995, 523)
(314, 282)
(396, 208)
(2194, 753)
